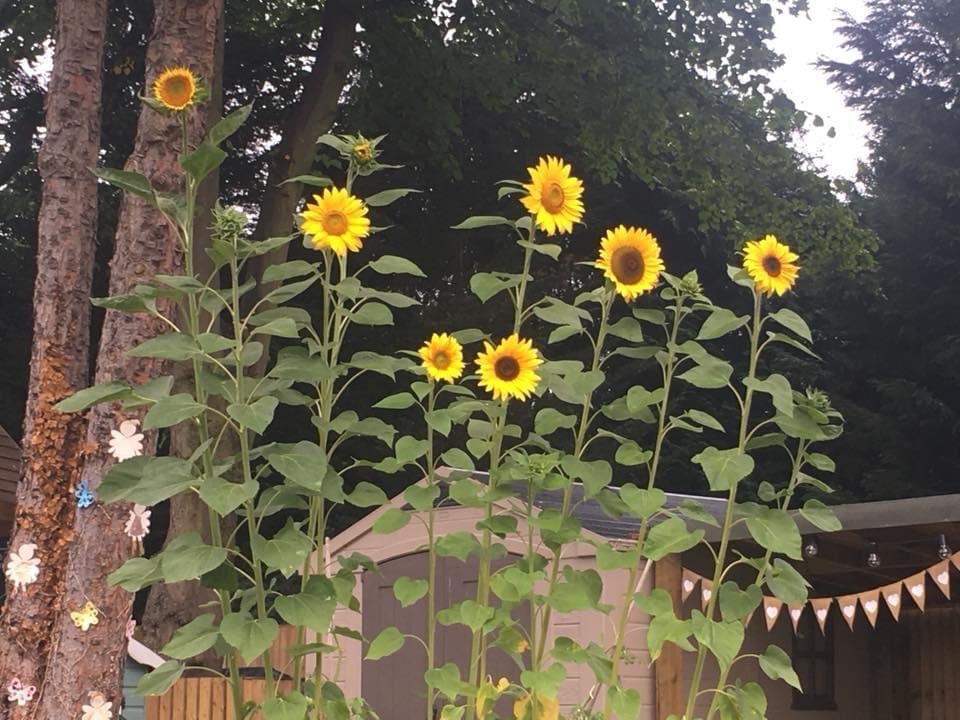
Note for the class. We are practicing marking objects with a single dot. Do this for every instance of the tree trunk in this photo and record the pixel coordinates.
(53, 441)
(184, 33)
(170, 606)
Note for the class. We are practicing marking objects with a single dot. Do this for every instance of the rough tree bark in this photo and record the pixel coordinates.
(184, 33)
(53, 441)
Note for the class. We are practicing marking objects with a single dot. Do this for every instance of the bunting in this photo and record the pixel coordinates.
(893, 595)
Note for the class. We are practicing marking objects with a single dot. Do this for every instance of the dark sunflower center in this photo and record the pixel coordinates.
(441, 360)
(506, 368)
(553, 197)
(178, 90)
(772, 266)
(627, 265)
(335, 223)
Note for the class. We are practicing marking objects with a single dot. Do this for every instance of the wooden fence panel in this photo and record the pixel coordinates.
(206, 698)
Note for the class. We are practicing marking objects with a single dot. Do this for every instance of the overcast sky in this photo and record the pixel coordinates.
(802, 41)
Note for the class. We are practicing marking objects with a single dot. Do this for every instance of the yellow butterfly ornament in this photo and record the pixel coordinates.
(86, 616)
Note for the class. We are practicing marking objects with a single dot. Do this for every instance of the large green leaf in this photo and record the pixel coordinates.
(818, 514)
(146, 480)
(312, 610)
(157, 682)
(249, 636)
(793, 322)
(720, 322)
(82, 399)
(392, 520)
(303, 463)
(187, 557)
(172, 346)
(256, 416)
(131, 182)
(136, 573)
(409, 590)
(669, 537)
(479, 221)
(723, 638)
(724, 468)
(386, 197)
(773, 528)
(393, 265)
(292, 706)
(171, 410)
(779, 390)
(225, 496)
(195, 637)
(776, 665)
(786, 583)
(387, 642)
(287, 551)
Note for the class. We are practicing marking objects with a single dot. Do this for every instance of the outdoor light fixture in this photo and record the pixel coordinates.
(943, 550)
(873, 557)
(810, 547)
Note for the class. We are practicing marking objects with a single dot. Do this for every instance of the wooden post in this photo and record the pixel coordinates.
(669, 666)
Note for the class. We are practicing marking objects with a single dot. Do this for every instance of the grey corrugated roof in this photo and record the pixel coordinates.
(592, 516)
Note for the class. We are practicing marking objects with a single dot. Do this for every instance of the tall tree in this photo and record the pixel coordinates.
(184, 33)
(53, 444)
(901, 384)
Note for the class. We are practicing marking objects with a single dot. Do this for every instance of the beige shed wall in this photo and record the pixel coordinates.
(851, 672)
(584, 627)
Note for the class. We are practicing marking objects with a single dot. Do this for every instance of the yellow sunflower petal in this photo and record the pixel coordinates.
(553, 196)
(630, 258)
(509, 369)
(771, 265)
(336, 220)
(175, 88)
(442, 357)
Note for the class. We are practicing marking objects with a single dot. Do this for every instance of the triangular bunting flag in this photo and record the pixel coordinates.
(893, 594)
(821, 608)
(917, 588)
(870, 602)
(771, 610)
(941, 576)
(706, 590)
(796, 611)
(848, 608)
(688, 583)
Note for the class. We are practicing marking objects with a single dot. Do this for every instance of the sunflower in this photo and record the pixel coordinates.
(630, 257)
(771, 265)
(442, 358)
(175, 88)
(509, 370)
(338, 221)
(554, 196)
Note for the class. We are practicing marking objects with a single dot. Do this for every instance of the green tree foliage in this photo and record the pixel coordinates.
(901, 343)
(664, 109)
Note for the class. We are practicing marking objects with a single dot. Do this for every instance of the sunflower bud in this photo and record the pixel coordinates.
(228, 224)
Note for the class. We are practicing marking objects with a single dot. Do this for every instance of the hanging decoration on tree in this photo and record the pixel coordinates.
(85, 617)
(19, 693)
(137, 527)
(84, 495)
(97, 708)
(892, 595)
(22, 567)
(126, 442)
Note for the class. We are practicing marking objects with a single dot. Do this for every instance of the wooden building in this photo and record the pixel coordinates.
(9, 476)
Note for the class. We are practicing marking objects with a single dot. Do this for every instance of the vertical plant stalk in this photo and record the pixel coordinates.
(697, 677)
(787, 497)
(477, 649)
(580, 440)
(635, 574)
(431, 556)
(203, 428)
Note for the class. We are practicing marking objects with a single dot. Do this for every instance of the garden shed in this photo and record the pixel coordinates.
(402, 554)
(9, 476)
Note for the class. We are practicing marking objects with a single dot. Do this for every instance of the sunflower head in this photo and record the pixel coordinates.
(553, 196)
(336, 220)
(442, 358)
(176, 88)
(771, 265)
(630, 258)
(362, 151)
(509, 369)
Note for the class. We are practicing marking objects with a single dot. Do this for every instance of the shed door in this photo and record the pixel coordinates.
(394, 685)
